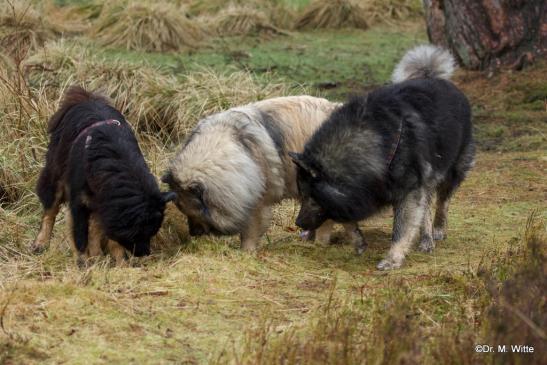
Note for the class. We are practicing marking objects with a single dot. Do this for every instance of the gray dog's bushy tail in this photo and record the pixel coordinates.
(425, 61)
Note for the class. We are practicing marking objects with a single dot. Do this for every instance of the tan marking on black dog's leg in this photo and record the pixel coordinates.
(356, 236)
(407, 221)
(46, 227)
(96, 238)
(260, 221)
(440, 222)
(426, 230)
(323, 233)
(117, 252)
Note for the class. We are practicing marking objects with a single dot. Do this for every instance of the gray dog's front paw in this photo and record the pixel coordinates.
(427, 245)
(388, 264)
(438, 234)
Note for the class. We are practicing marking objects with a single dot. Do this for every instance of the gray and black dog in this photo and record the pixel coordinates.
(399, 145)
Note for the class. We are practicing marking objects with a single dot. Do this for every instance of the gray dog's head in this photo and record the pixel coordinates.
(311, 214)
(321, 198)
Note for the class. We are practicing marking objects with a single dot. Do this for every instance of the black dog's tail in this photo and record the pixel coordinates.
(425, 61)
(73, 95)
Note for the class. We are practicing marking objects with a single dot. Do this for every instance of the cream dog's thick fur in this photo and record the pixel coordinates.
(234, 166)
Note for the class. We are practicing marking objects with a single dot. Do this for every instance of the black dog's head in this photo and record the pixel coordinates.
(134, 220)
(319, 198)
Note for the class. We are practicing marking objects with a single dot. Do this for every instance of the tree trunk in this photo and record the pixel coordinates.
(487, 34)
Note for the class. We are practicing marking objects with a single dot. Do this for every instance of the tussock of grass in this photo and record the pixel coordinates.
(70, 19)
(53, 57)
(273, 13)
(22, 28)
(23, 117)
(171, 106)
(241, 20)
(356, 13)
(147, 26)
(391, 11)
(154, 102)
(209, 7)
(333, 14)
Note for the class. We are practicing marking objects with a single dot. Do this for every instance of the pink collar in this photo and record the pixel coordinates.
(95, 125)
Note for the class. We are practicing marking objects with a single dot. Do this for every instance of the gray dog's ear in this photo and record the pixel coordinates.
(298, 159)
(167, 178)
(168, 196)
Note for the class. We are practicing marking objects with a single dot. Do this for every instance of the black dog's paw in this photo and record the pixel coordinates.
(37, 247)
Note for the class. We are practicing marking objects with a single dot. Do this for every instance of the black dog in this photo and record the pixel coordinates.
(94, 163)
(398, 146)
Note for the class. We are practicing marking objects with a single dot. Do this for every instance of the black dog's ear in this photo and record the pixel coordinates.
(298, 159)
(168, 196)
(167, 178)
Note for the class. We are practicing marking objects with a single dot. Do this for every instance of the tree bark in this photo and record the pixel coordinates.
(487, 34)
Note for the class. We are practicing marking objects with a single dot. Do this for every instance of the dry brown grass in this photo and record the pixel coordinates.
(69, 19)
(392, 11)
(53, 57)
(241, 20)
(517, 314)
(170, 107)
(6, 64)
(333, 14)
(24, 110)
(356, 13)
(155, 103)
(271, 13)
(22, 28)
(147, 26)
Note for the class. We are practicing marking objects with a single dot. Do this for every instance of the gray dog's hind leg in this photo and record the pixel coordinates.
(447, 188)
(408, 218)
(426, 230)
(439, 228)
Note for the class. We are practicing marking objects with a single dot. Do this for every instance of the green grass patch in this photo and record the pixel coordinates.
(329, 63)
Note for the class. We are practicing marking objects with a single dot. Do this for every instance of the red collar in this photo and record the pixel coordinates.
(95, 125)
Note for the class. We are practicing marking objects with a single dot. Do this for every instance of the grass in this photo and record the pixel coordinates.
(332, 64)
(147, 26)
(204, 301)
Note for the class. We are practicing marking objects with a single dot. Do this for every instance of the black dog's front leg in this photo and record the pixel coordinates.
(80, 226)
